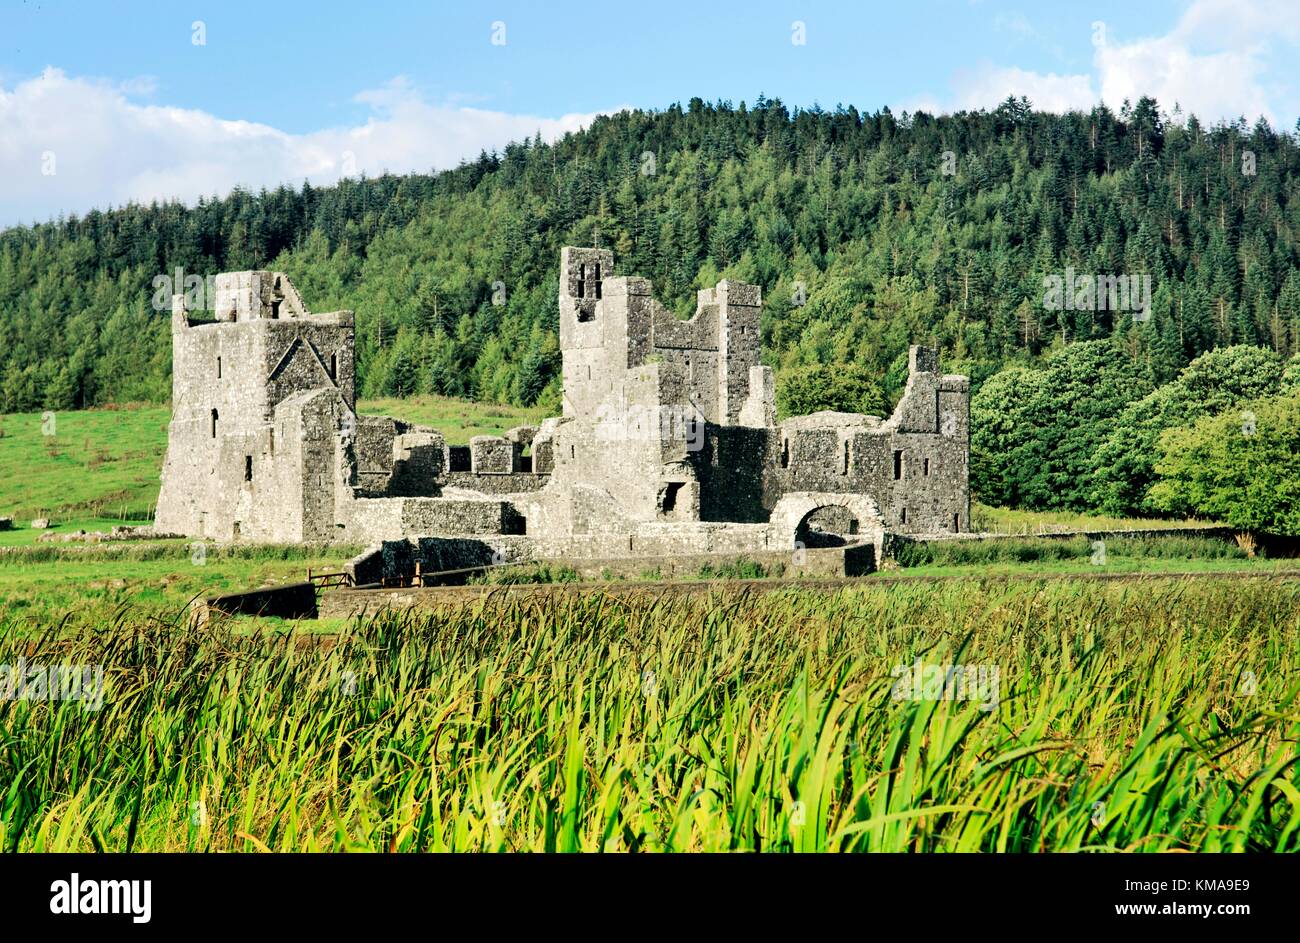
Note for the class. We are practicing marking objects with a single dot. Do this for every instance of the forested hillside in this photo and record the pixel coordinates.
(892, 239)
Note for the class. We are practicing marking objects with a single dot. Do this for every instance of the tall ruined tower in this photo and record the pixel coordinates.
(228, 377)
(610, 324)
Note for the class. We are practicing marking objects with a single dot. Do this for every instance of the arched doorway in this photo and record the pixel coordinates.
(825, 519)
(831, 525)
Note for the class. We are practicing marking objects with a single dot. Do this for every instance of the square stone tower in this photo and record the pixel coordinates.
(610, 324)
(228, 377)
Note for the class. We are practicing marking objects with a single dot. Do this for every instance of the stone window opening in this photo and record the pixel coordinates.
(597, 280)
(218, 368)
(214, 423)
(785, 453)
(582, 280)
(334, 366)
(670, 496)
(898, 464)
(956, 521)
(846, 458)
(248, 468)
(275, 308)
(903, 518)
(571, 455)
(925, 467)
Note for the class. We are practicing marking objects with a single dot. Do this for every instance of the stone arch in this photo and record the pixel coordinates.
(794, 511)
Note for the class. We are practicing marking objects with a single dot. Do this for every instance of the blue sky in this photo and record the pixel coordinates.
(103, 103)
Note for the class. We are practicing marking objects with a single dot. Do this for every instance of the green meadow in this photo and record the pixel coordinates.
(92, 469)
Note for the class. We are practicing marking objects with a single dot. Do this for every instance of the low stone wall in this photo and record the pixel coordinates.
(825, 563)
(856, 560)
(390, 518)
(290, 601)
(514, 483)
(403, 559)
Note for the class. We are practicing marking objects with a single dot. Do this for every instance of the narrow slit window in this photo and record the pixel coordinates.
(785, 453)
(334, 366)
(846, 457)
(898, 464)
(597, 280)
(956, 521)
(925, 467)
(248, 468)
(218, 368)
(903, 518)
(214, 423)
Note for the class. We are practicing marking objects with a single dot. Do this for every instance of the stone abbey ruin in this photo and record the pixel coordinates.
(667, 446)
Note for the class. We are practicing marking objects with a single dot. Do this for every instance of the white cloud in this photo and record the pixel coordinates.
(1214, 62)
(991, 85)
(104, 148)
(1015, 24)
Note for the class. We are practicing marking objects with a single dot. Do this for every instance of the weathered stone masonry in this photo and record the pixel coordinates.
(667, 442)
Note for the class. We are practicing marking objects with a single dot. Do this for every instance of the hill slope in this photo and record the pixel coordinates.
(890, 229)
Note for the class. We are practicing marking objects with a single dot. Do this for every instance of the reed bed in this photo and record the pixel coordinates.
(1149, 716)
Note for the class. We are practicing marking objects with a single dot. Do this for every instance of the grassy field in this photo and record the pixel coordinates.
(93, 464)
(457, 419)
(86, 584)
(95, 468)
(779, 722)
(1009, 521)
(83, 587)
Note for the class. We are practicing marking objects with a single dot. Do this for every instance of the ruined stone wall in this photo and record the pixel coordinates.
(419, 463)
(496, 484)
(610, 324)
(593, 330)
(668, 443)
(306, 355)
(915, 464)
(739, 340)
(735, 484)
(372, 451)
